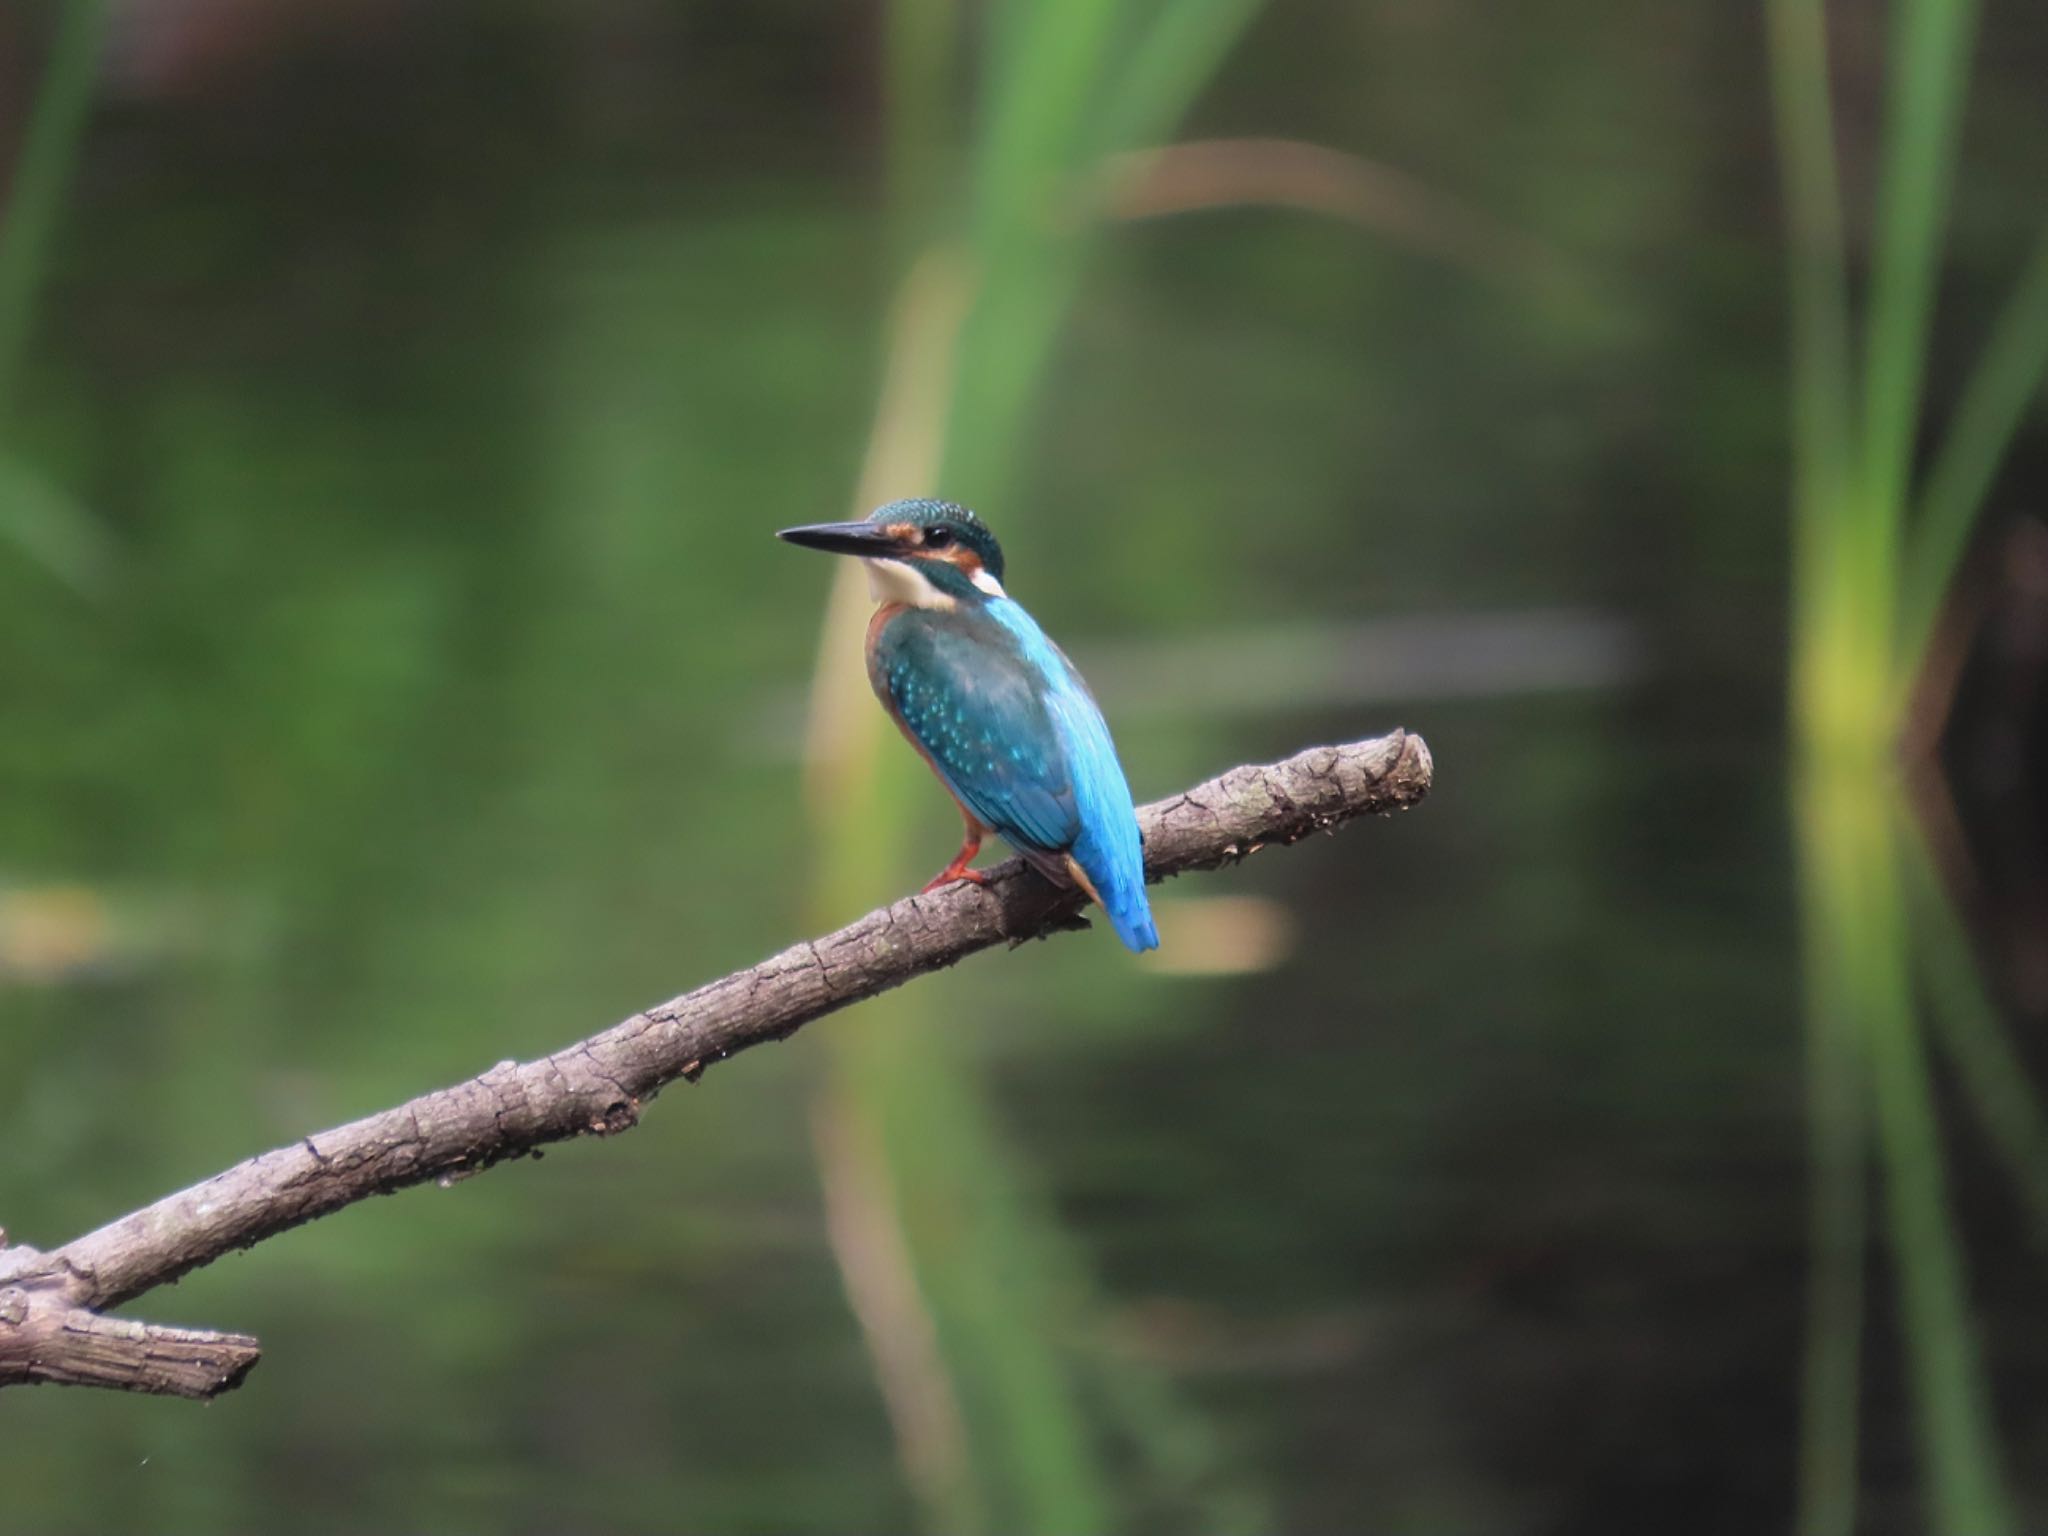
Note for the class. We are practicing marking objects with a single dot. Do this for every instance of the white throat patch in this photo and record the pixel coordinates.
(898, 581)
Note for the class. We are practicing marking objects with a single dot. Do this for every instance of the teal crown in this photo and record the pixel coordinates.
(943, 522)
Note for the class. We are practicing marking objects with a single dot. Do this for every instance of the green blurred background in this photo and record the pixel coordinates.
(397, 675)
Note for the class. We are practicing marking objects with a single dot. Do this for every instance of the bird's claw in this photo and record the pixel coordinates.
(948, 876)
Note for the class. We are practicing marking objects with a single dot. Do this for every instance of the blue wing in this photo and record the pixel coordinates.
(1008, 725)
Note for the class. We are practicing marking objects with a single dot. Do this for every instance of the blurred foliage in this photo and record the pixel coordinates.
(1871, 570)
(41, 523)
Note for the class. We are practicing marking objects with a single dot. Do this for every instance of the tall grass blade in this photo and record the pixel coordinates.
(1811, 188)
(1177, 56)
(1928, 62)
(1830, 689)
(1966, 1493)
(1853, 464)
(1047, 140)
(1972, 1033)
(1832, 1369)
(1959, 1444)
(36, 196)
(1866, 1040)
(999, 1286)
(1044, 80)
(1822, 445)
(2005, 381)
(41, 523)
(1837, 1095)
(998, 1272)
(875, 1264)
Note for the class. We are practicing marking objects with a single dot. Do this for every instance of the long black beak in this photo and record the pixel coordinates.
(843, 539)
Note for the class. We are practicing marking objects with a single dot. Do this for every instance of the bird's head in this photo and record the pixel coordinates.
(930, 554)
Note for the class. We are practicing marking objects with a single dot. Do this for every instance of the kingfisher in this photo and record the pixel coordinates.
(994, 708)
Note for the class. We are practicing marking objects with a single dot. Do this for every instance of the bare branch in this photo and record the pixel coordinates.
(43, 1338)
(50, 1328)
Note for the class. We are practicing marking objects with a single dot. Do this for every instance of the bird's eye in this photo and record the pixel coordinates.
(937, 538)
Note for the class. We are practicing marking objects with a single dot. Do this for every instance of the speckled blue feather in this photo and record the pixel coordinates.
(1007, 723)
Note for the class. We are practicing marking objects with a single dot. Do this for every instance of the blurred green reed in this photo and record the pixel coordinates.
(1876, 548)
(42, 522)
(1006, 1414)
(1971, 1033)
(1876, 551)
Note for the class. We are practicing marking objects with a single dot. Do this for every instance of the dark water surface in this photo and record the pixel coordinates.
(433, 394)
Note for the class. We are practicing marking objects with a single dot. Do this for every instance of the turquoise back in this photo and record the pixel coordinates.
(1010, 727)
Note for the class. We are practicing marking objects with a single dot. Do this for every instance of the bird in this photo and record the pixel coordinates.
(993, 706)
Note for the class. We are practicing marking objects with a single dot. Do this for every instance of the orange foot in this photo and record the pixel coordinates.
(958, 870)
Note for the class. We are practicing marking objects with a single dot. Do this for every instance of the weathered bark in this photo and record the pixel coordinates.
(50, 1327)
(45, 1337)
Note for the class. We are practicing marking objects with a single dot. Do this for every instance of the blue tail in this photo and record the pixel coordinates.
(1121, 882)
(1083, 796)
(1132, 920)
